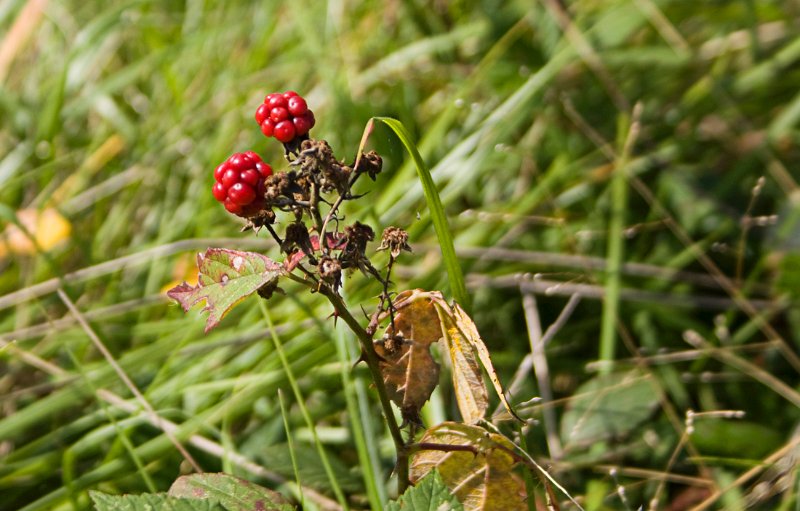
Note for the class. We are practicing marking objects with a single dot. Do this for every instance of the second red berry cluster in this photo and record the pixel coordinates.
(285, 116)
(239, 183)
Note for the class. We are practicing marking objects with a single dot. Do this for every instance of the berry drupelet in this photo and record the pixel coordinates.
(240, 185)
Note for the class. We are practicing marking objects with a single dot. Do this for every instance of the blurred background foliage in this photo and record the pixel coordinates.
(114, 115)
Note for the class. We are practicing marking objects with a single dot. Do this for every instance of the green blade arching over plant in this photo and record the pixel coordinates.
(454, 274)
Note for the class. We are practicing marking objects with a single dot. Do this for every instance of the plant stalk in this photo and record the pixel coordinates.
(373, 362)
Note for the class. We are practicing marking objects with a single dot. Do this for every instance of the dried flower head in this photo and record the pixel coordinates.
(395, 240)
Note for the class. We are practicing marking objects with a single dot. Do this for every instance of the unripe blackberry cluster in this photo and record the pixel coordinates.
(285, 116)
(240, 184)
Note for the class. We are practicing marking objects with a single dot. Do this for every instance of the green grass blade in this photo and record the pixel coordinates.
(290, 443)
(337, 490)
(454, 273)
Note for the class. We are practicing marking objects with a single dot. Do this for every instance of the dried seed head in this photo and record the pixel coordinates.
(395, 240)
(277, 185)
(267, 290)
(357, 236)
(297, 237)
(330, 270)
(371, 164)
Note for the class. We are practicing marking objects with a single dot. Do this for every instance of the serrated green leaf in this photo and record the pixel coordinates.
(607, 407)
(231, 492)
(225, 278)
(429, 494)
(150, 502)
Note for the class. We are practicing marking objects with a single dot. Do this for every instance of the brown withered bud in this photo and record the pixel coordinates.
(297, 237)
(357, 236)
(277, 185)
(353, 254)
(267, 290)
(395, 240)
(330, 271)
(260, 219)
(317, 163)
(371, 164)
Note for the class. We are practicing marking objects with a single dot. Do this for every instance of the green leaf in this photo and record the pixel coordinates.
(734, 438)
(231, 492)
(608, 407)
(225, 278)
(429, 494)
(150, 502)
(454, 274)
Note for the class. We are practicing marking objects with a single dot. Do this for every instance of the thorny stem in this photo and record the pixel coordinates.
(314, 208)
(332, 213)
(274, 234)
(386, 297)
(373, 362)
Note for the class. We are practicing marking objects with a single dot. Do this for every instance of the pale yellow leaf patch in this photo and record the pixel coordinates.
(46, 230)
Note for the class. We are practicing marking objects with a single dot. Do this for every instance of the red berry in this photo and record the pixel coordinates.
(232, 207)
(221, 168)
(290, 94)
(241, 193)
(229, 178)
(262, 113)
(253, 155)
(278, 114)
(297, 106)
(264, 169)
(284, 131)
(301, 125)
(267, 128)
(250, 176)
(310, 117)
(240, 162)
(219, 191)
(276, 101)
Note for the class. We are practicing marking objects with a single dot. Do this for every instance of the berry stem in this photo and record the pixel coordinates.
(335, 207)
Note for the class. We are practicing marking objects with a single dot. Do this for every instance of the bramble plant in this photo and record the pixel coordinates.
(467, 464)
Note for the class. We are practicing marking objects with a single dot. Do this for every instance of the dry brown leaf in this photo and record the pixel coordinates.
(408, 369)
(422, 318)
(410, 375)
(482, 480)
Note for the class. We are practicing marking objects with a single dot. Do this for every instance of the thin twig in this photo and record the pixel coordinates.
(542, 372)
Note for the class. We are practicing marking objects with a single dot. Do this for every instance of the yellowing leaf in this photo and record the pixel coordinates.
(46, 229)
(225, 278)
(468, 384)
(466, 327)
(416, 317)
(424, 317)
(480, 477)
